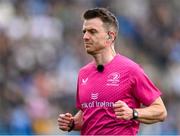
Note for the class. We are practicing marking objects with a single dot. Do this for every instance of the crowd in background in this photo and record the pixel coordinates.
(41, 51)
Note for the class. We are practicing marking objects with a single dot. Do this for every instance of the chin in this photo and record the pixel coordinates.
(90, 52)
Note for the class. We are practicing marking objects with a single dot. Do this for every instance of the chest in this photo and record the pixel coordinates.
(104, 87)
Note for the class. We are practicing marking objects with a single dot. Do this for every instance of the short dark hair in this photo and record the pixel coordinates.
(105, 15)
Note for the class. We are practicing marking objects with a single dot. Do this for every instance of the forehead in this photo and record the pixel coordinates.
(94, 23)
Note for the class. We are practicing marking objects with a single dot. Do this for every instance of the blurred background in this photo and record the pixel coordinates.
(41, 51)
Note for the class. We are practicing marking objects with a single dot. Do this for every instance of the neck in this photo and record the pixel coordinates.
(104, 56)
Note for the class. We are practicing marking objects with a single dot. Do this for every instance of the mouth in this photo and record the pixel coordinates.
(87, 44)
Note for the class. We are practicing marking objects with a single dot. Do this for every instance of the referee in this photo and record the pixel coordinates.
(111, 88)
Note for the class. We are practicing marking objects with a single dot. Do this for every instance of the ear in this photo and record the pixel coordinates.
(108, 37)
(111, 35)
(108, 40)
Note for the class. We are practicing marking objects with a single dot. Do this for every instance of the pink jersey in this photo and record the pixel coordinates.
(122, 79)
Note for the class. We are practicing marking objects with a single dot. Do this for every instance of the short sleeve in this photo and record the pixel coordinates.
(143, 88)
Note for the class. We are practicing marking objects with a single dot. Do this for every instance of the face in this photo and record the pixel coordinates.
(94, 35)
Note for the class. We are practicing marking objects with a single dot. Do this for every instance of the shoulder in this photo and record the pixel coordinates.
(89, 67)
(128, 63)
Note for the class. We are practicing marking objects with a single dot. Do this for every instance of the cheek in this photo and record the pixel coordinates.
(107, 42)
(100, 45)
(104, 43)
(101, 41)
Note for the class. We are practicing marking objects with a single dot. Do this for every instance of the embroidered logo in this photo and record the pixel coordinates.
(94, 96)
(113, 79)
(84, 81)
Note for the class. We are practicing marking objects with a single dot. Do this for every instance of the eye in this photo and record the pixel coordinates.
(92, 31)
(83, 31)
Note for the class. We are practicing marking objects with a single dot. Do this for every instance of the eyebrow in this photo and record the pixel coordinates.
(90, 30)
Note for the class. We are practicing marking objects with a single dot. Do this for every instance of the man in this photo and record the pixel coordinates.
(111, 89)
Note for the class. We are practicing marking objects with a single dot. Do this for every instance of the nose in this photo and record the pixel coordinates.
(86, 36)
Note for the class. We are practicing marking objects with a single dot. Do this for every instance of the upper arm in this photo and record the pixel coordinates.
(158, 102)
(159, 106)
